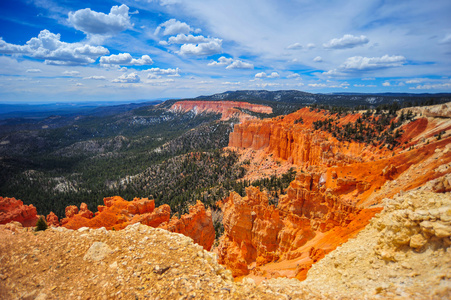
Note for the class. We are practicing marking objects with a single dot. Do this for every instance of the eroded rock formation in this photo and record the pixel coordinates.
(227, 109)
(14, 210)
(338, 189)
(118, 213)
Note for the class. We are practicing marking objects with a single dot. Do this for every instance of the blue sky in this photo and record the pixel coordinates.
(67, 50)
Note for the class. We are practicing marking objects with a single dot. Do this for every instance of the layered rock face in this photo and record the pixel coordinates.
(14, 210)
(118, 213)
(339, 187)
(227, 109)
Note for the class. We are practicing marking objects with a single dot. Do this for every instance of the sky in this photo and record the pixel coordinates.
(102, 50)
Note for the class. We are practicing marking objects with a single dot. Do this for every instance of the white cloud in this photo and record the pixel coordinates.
(222, 61)
(317, 85)
(95, 77)
(318, 59)
(47, 46)
(173, 27)
(71, 73)
(386, 83)
(168, 72)
(231, 83)
(127, 78)
(295, 46)
(187, 39)
(434, 86)
(372, 63)
(359, 85)
(202, 49)
(34, 71)
(91, 22)
(238, 64)
(412, 81)
(264, 75)
(311, 46)
(294, 75)
(347, 41)
(125, 59)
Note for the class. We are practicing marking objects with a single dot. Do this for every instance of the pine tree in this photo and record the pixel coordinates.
(41, 224)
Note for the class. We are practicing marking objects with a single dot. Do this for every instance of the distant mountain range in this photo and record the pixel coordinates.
(289, 99)
(338, 99)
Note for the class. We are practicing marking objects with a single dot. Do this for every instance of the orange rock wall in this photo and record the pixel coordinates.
(299, 143)
(14, 210)
(118, 213)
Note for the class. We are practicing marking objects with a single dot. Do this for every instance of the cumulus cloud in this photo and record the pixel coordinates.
(173, 27)
(238, 64)
(34, 71)
(222, 61)
(92, 22)
(294, 75)
(347, 41)
(318, 59)
(49, 47)
(416, 80)
(125, 59)
(362, 64)
(317, 85)
(202, 49)
(295, 46)
(371, 63)
(155, 72)
(386, 83)
(310, 46)
(264, 75)
(95, 77)
(187, 39)
(128, 78)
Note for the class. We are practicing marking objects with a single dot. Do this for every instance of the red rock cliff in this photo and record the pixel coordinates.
(227, 109)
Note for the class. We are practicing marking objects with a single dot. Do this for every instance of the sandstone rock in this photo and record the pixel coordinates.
(198, 225)
(52, 220)
(14, 210)
(119, 213)
(97, 251)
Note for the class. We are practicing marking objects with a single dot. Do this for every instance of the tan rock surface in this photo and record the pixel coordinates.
(139, 262)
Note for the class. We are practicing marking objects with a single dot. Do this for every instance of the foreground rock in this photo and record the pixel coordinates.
(139, 262)
(405, 252)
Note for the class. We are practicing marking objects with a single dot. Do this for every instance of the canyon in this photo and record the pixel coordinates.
(339, 187)
(387, 204)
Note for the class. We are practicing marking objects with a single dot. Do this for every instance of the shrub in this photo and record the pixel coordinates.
(41, 224)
